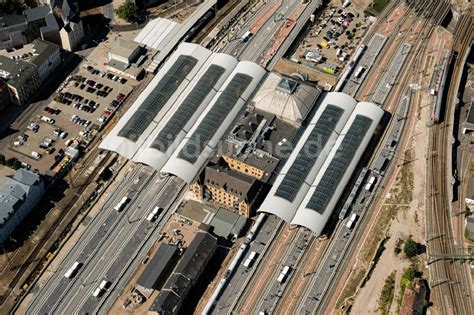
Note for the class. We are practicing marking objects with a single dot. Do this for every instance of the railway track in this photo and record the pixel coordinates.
(450, 281)
(63, 216)
(434, 14)
(251, 293)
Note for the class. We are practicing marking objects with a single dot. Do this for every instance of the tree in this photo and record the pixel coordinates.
(410, 248)
(13, 163)
(10, 7)
(127, 11)
(2, 159)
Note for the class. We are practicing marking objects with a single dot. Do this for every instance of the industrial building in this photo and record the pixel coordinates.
(19, 194)
(157, 270)
(125, 58)
(185, 275)
(316, 173)
(176, 123)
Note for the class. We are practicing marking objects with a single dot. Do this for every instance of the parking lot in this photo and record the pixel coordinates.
(80, 106)
(333, 38)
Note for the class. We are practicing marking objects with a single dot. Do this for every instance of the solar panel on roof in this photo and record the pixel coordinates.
(189, 106)
(155, 101)
(309, 153)
(214, 118)
(339, 164)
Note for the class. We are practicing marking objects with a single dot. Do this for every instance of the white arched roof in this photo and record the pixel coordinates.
(313, 212)
(148, 153)
(128, 147)
(189, 158)
(297, 211)
(311, 139)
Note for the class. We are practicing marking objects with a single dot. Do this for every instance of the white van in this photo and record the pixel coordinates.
(36, 155)
(48, 120)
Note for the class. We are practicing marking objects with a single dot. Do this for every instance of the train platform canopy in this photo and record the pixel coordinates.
(310, 183)
(176, 122)
(163, 35)
(155, 32)
(288, 99)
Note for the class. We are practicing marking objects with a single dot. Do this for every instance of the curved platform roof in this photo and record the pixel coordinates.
(166, 137)
(203, 138)
(318, 204)
(311, 182)
(156, 100)
(300, 170)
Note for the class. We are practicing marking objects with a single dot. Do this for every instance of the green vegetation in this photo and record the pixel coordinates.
(386, 296)
(8, 7)
(127, 11)
(11, 162)
(379, 5)
(410, 248)
(406, 282)
(376, 7)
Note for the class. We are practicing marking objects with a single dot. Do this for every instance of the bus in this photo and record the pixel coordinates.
(122, 204)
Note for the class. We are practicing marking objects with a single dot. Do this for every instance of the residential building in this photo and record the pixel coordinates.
(46, 56)
(43, 23)
(72, 35)
(21, 77)
(19, 194)
(229, 188)
(71, 30)
(12, 28)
